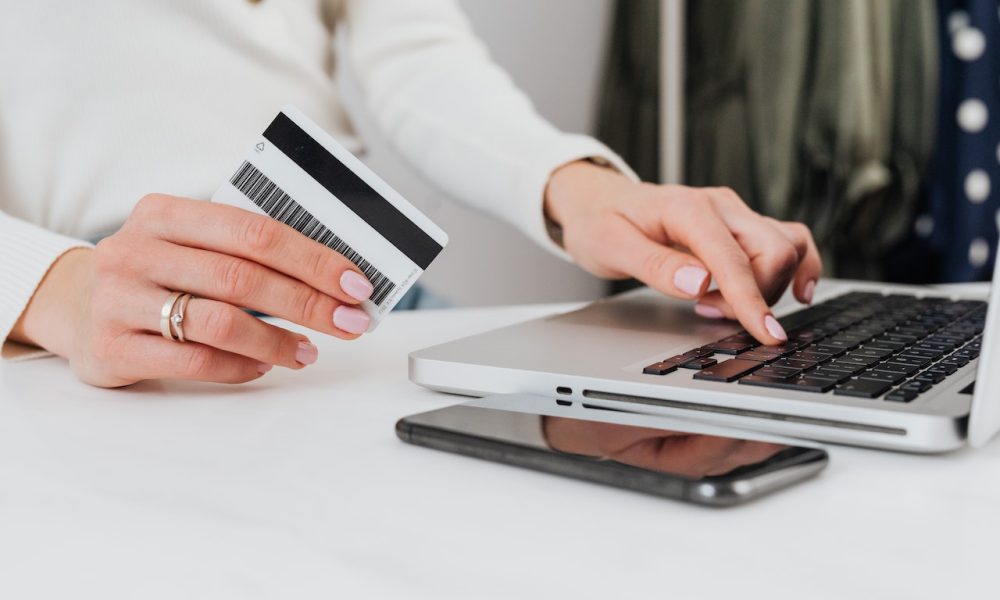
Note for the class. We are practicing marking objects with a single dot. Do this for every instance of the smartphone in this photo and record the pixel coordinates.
(664, 457)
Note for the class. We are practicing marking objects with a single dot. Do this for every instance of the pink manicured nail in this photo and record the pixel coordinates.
(690, 280)
(306, 354)
(264, 368)
(808, 292)
(709, 312)
(351, 320)
(775, 329)
(356, 286)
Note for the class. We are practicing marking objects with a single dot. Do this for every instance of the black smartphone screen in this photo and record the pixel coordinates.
(707, 469)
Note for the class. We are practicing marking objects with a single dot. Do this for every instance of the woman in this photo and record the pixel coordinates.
(104, 104)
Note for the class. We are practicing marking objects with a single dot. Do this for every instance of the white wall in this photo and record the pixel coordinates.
(554, 50)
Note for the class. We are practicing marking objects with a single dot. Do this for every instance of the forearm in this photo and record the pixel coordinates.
(47, 320)
(29, 253)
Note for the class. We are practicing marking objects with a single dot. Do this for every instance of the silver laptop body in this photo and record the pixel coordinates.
(594, 357)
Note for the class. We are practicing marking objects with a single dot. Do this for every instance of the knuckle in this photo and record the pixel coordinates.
(221, 323)
(313, 306)
(657, 265)
(786, 258)
(320, 262)
(237, 278)
(259, 234)
(149, 206)
(198, 362)
(108, 256)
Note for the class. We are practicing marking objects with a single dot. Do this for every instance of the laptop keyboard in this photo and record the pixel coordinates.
(861, 344)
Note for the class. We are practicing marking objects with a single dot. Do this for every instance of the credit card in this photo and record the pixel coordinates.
(297, 174)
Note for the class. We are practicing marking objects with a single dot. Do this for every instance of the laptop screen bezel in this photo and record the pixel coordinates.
(984, 418)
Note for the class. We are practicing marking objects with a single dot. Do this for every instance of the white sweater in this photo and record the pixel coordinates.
(103, 102)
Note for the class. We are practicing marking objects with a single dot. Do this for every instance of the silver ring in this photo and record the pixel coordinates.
(165, 314)
(177, 316)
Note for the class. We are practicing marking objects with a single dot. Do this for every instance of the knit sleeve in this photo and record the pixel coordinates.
(454, 114)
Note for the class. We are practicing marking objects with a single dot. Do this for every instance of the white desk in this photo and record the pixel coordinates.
(296, 487)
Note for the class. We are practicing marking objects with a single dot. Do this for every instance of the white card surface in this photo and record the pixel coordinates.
(297, 174)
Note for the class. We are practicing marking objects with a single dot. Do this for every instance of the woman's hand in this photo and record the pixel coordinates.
(100, 308)
(676, 239)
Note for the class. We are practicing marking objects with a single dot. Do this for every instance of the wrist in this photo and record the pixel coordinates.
(579, 184)
(49, 321)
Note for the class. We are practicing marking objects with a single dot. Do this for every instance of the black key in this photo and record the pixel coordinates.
(929, 377)
(680, 359)
(727, 371)
(791, 363)
(698, 353)
(925, 352)
(915, 359)
(660, 368)
(943, 368)
(932, 346)
(816, 357)
(756, 355)
(850, 367)
(899, 337)
(699, 363)
(861, 360)
(833, 351)
(730, 347)
(886, 345)
(786, 348)
(804, 383)
(835, 376)
(873, 352)
(909, 361)
(862, 388)
(958, 361)
(896, 368)
(744, 337)
(916, 386)
(901, 395)
(892, 378)
(778, 372)
(841, 343)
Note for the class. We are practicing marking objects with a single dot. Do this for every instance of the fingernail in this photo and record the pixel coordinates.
(809, 291)
(350, 319)
(775, 329)
(356, 286)
(690, 280)
(264, 368)
(306, 354)
(709, 312)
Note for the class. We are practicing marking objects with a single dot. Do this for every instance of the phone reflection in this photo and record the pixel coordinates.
(686, 454)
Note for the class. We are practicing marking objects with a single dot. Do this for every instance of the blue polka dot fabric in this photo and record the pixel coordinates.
(958, 225)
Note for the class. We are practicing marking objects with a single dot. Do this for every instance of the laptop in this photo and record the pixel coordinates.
(897, 367)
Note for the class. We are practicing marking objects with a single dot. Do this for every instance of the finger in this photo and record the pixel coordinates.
(667, 270)
(147, 356)
(774, 259)
(229, 230)
(245, 283)
(225, 327)
(698, 226)
(810, 264)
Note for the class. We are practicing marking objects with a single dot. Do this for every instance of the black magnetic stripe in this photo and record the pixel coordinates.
(364, 201)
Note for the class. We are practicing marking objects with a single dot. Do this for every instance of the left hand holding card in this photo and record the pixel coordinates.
(316, 239)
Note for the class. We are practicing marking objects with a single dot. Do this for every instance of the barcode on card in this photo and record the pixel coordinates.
(274, 201)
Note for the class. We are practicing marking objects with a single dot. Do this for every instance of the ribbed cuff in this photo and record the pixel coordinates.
(27, 252)
(541, 165)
